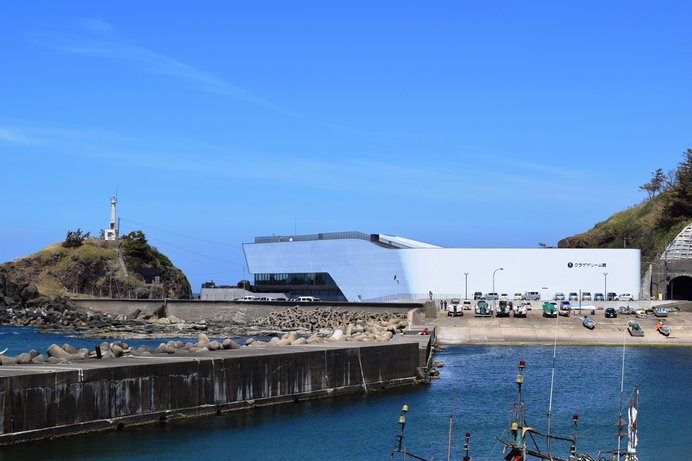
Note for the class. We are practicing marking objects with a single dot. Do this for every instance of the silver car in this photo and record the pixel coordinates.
(559, 296)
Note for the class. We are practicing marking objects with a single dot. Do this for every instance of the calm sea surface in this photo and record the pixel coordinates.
(476, 387)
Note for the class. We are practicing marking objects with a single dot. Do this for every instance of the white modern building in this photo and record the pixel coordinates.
(355, 266)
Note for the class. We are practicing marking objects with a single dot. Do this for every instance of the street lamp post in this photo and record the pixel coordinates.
(466, 285)
(658, 278)
(605, 286)
(498, 269)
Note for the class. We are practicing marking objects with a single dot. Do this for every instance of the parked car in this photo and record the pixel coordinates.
(456, 301)
(586, 296)
(611, 296)
(598, 297)
(483, 310)
(503, 308)
(549, 309)
(466, 305)
(491, 296)
(504, 297)
(625, 297)
(559, 296)
(565, 308)
(573, 297)
(518, 297)
(520, 310)
(610, 313)
(455, 310)
(532, 296)
(477, 295)
(526, 305)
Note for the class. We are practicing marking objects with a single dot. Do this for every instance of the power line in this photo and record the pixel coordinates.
(179, 234)
(196, 253)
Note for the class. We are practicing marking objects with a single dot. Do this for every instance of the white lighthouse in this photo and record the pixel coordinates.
(112, 232)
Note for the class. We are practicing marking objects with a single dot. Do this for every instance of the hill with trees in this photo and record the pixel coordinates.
(85, 267)
(650, 225)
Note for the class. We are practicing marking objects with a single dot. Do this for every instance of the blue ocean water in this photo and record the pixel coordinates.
(476, 387)
(23, 339)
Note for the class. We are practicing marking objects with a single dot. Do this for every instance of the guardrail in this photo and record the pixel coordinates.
(309, 237)
(414, 297)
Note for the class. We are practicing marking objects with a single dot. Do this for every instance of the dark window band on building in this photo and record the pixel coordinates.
(318, 284)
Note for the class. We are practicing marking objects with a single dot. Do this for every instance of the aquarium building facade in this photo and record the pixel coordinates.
(353, 266)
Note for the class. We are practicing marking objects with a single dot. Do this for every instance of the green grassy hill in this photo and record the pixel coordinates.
(94, 269)
(641, 226)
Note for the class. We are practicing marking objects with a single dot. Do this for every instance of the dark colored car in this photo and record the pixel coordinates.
(477, 295)
(598, 297)
(611, 313)
(611, 296)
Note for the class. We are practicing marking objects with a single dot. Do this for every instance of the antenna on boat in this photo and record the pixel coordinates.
(515, 442)
(552, 384)
(398, 446)
(466, 448)
(449, 445)
(621, 422)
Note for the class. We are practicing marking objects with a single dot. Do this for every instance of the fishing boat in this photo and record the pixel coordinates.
(661, 312)
(663, 329)
(634, 328)
(522, 440)
(399, 447)
(588, 322)
(630, 452)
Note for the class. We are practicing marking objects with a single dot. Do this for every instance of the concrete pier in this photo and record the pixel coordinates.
(43, 401)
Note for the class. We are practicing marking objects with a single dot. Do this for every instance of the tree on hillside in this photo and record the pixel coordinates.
(655, 185)
(135, 245)
(75, 238)
(678, 202)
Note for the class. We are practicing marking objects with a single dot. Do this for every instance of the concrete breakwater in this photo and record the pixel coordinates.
(42, 401)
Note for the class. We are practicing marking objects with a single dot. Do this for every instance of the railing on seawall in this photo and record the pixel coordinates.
(414, 297)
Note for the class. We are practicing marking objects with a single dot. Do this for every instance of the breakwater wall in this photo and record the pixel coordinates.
(222, 311)
(43, 401)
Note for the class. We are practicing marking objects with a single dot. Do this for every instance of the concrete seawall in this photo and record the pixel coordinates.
(43, 401)
(222, 311)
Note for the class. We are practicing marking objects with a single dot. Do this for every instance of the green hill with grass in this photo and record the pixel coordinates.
(650, 225)
(83, 267)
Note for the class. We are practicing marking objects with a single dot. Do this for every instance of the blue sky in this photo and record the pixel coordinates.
(470, 124)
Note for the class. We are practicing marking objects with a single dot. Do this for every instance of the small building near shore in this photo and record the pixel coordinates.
(353, 266)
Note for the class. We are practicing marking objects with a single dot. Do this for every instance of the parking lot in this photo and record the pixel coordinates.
(536, 329)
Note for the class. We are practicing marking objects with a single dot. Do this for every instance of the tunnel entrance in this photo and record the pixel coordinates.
(680, 288)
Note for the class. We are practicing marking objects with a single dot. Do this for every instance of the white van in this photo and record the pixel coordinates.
(307, 299)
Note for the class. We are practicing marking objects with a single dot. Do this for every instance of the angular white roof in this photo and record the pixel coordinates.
(681, 247)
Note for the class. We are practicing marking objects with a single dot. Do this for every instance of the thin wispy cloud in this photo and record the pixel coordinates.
(448, 181)
(103, 40)
(14, 136)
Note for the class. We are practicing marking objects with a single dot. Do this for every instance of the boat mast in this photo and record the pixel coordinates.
(552, 384)
(449, 445)
(621, 423)
(516, 442)
(632, 428)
